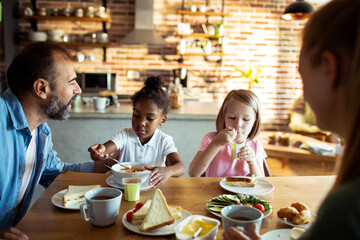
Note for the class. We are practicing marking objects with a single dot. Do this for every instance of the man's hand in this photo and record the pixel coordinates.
(13, 234)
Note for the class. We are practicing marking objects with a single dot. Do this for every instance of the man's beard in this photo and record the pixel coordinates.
(57, 110)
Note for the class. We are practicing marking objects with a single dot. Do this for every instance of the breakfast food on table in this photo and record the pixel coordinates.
(131, 170)
(300, 206)
(296, 233)
(241, 181)
(158, 215)
(215, 204)
(287, 212)
(75, 193)
(303, 217)
(298, 213)
(139, 215)
(192, 227)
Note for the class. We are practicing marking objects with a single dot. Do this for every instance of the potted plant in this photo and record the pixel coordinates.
(252, 74)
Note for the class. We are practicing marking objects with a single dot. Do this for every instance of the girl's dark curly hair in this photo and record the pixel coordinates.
(152, 90)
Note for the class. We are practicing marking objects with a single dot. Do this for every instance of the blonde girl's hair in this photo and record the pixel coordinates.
(247, 97)
(336, 28)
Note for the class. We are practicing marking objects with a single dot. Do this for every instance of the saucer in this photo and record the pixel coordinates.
(111, 181)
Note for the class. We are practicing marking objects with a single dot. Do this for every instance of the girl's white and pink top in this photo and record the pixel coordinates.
(224, 165)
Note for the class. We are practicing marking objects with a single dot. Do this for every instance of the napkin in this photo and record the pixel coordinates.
(317, 147)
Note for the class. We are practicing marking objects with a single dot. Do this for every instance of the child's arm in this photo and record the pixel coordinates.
(203, 159)
(100, 152)
(174, 168)
(247, 154)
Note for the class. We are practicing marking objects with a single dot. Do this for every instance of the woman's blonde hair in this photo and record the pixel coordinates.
(336, 28)
(247, 97)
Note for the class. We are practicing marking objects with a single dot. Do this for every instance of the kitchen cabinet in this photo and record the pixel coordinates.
(104, 20)
(205, 41)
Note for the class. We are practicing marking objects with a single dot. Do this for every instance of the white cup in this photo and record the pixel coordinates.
(103, 206)
(242, 218)
(101, 102)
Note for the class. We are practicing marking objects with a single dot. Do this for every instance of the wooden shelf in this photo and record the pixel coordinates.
(201, 54)
(200, 35)
(79, 44)
(203, 13)
(64, 18)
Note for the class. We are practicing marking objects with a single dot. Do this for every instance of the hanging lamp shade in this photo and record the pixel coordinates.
(298, 10)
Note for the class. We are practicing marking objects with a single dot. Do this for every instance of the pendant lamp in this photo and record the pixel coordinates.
(298, 10)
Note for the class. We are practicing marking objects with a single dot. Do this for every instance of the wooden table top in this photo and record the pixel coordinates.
(46, 221)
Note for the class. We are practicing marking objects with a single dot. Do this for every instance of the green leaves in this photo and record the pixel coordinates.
(251, 74)
(217, 203)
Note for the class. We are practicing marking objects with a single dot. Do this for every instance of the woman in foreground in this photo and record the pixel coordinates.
(329, 66)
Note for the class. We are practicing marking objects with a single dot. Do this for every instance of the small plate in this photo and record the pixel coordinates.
(306, 225)
(166, 230)
(58, 201)
(262, 187)
(278, 234)
(111, 181)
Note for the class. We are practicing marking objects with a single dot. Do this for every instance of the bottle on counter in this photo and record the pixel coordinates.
(176, 95)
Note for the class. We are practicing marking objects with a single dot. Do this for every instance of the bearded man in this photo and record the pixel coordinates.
(42, 86)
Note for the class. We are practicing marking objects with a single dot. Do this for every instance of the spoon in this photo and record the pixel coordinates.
(123, 165)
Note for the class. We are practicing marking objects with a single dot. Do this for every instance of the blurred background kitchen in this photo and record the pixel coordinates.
(209, 47)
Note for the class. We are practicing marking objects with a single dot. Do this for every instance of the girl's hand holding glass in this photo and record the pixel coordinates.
(247, 154)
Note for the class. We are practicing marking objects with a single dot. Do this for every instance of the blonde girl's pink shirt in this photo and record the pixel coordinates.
(224, 165)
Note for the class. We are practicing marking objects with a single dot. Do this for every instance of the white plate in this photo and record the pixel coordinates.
(278, 234)
(166, 230)
(306, 225)
(266, 213)
(262, 187)
(113, 183)
(58, 201)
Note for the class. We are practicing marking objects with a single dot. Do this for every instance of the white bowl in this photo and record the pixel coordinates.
(37, 36)
(209, 236)
(55, 33)
(119, 175)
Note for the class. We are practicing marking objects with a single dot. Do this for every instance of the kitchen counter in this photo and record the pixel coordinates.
(196, 110)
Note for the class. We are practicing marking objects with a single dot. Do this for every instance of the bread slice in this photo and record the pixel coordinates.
(159, 214)
(139, 215)
(75, 193)
(241, 181)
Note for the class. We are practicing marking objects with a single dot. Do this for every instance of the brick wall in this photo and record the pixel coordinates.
(255, 31)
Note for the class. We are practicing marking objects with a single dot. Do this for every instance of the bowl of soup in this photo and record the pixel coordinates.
(135, 170)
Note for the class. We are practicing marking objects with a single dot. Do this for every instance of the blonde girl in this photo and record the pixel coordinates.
(238, 122)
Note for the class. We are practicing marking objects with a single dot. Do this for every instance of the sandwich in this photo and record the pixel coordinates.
(75, 194)
(158, 215)
(241, 181)
(139, 215)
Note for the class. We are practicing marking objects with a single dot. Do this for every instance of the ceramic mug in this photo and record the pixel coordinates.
(101, 102)
(242, 218)
(103, 206)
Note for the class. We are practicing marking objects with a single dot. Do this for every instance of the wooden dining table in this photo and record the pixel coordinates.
(46, 221)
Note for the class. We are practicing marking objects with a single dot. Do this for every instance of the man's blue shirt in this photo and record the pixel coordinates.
(15, 137)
